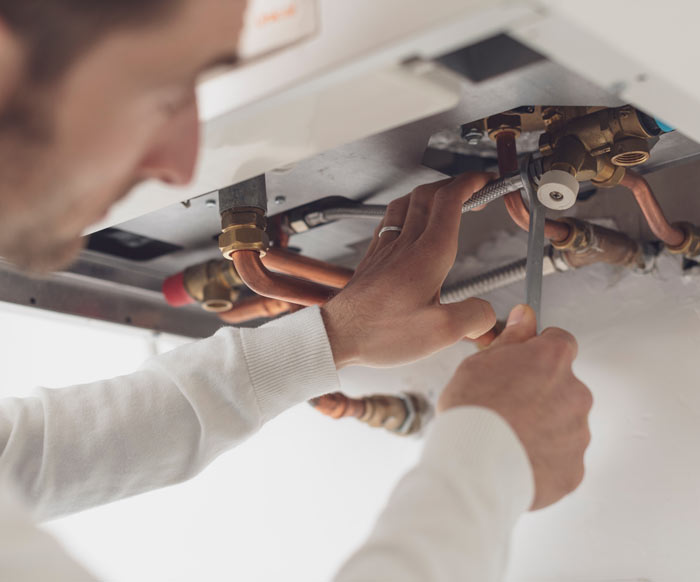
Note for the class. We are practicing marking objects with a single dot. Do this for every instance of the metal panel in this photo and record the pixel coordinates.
(89, 296)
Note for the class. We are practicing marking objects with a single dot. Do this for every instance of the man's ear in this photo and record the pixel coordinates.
(12, 63)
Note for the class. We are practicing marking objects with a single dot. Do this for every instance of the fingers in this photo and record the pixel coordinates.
(520, 327)
(443, 225)
(471, 318)
(420, 208)
(395, 216)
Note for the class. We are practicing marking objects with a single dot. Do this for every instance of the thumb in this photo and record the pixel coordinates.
(520, 327)
(471, 318)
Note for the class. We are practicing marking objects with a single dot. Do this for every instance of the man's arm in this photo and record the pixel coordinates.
(511, 436)
(78, 447)
(82, 446)
(450, 518)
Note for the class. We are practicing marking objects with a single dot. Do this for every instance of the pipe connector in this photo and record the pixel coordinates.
(690, 247)
(589, 244)
(401, 414)
(243, 229)
(579, 235)
(213, 284)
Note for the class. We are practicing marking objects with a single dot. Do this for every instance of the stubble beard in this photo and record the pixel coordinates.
(29, 203)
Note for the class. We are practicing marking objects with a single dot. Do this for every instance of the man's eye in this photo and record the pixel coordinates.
(172, 106)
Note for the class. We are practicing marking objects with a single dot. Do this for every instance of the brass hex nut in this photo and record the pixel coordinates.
(579, 237)
(690, 247)
(497, 124)
(243, 230)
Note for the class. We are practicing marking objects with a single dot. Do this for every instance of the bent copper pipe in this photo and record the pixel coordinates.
(649, 205)
(255, 308)
(281, 287)
(290, 263)
(507, 165)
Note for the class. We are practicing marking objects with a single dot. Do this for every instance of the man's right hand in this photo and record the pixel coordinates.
(528, 380)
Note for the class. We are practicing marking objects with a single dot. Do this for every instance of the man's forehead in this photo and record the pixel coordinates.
(213, 29)
(201, 35)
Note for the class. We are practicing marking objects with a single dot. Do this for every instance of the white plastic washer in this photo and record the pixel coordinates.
(557, 190)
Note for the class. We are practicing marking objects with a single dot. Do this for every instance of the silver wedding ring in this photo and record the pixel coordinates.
(389, 229)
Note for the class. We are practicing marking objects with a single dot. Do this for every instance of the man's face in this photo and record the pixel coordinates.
(123, 113)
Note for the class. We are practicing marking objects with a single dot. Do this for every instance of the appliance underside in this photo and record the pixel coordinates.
(119, 278)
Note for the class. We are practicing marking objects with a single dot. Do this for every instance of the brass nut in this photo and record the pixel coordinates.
(243, 230)
(244, 238)
(690, 247)
(579, 238)
(243, 217)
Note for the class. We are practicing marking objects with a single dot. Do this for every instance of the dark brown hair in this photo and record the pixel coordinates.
(55, 32)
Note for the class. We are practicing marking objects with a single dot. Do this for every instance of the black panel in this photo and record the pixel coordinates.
(490, 58)
(127, 245)
(452, 163)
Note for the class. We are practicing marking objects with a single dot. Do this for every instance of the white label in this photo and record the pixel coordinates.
(271, 25)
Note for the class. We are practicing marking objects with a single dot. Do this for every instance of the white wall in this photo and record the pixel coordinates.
(292, 502)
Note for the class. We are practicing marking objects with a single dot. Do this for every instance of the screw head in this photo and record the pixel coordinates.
(210, 203)
(280, 199)
(556, 196)
(472, 135)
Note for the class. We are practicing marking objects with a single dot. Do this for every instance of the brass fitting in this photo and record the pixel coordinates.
(401, 414)
(610, 138)
(571, 156)
(608, 174)
(243, 229)
(214, 284)
(589, 243)
(690, 247)
(497, 124)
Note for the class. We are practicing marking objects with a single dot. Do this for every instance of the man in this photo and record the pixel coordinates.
(97, 95)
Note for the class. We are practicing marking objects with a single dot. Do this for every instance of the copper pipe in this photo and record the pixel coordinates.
(338, 405)
(400, 414)
(508, 164)
(649, 205)
(254, 274)
(290, 263)
(255, 308)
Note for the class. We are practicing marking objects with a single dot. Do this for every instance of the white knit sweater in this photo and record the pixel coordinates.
(66, 450)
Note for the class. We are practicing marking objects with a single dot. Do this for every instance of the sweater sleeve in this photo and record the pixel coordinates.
(82, 446)
(451, 517)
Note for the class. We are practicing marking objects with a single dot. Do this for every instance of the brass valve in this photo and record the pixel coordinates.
(243, 229)
(214, 284)
(599, 145)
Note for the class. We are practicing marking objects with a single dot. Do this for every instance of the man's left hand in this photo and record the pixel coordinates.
(390, 312)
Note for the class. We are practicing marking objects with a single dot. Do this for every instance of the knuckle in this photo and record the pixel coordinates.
(561, 344)
(587, 399)
(586, 437)
(397, 205)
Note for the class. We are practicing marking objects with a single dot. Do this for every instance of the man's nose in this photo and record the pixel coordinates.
(173, 156)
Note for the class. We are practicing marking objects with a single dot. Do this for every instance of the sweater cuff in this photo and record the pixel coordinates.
(476, 447)
(289, 360)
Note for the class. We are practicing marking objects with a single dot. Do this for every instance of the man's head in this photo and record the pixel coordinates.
(95, 97)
